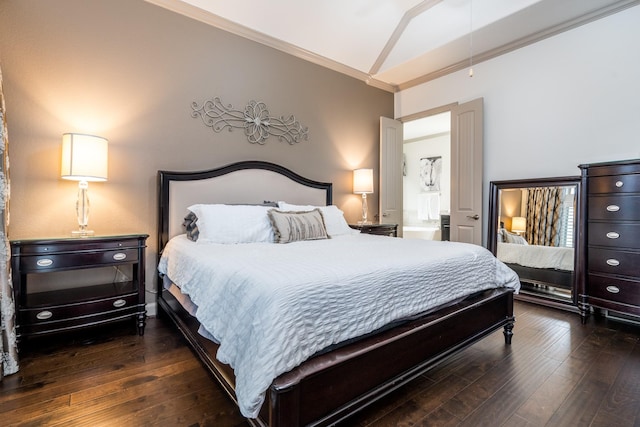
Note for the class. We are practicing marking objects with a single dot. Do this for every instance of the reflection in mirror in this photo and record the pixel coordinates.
(532, 229)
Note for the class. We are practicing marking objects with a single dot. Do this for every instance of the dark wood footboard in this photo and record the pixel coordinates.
(334, 385)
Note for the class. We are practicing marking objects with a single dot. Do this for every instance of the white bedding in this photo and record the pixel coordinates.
(536, 256)
(272, 306)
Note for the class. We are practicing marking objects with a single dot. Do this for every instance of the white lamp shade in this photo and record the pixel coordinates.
(518, 224)
(363, 181)
(84, 157)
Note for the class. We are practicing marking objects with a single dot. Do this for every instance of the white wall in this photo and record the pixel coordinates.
(575, 95)
(570, 99)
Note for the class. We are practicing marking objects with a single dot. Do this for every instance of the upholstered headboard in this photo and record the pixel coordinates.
(252, 182)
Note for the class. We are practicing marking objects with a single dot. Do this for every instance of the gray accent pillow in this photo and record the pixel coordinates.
(191, 227)
(295, 226)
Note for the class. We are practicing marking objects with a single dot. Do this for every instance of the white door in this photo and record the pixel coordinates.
(390, 193)
(466, 172)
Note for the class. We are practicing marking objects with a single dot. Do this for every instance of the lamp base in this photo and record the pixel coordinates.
(82, 233)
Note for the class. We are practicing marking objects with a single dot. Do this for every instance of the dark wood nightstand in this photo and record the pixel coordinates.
(70, 283)
(379, 229)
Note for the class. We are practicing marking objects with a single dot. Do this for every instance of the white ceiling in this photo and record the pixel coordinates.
(396, 44)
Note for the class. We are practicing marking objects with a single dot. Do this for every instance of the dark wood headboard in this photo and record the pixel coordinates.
(250, 181)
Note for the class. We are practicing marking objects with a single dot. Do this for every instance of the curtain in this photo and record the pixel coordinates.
(543, 213)
(8, 347)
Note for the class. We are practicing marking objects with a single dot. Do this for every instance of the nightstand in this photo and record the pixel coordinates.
(379, 229)
(64, 284)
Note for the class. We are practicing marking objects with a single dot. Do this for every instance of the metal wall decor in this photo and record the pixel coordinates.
(255, 119)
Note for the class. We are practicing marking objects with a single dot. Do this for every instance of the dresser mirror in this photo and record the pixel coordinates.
(533, 228)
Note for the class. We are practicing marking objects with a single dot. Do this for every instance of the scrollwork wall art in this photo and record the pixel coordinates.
(255, 119)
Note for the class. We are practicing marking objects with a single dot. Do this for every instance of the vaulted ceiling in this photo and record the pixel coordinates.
(396, 44)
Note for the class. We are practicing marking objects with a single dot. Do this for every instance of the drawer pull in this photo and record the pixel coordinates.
(613, 289)
(119, 256)
(613, 208)
(44, 315)
(612, 235)
(613, 262)
(44, 262)
(119, 303)
(619, 184)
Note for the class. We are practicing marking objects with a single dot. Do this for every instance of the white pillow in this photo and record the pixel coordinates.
(334, 220)
(514, 238)
(233, 223)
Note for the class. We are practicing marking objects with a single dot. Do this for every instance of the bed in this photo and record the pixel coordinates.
(337, 381)
(539, 265)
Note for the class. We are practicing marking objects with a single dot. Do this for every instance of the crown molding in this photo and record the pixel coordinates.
(203, 16)
(522, 42)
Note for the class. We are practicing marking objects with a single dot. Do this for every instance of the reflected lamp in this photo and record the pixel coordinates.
(363, 184)
(84, 159)
(518, 224)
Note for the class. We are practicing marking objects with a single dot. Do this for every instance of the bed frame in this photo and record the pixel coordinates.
(331, 386)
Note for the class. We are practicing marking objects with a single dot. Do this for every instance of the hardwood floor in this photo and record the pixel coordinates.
(557, 372)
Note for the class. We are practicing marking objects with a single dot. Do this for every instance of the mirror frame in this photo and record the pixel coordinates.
(492, 237)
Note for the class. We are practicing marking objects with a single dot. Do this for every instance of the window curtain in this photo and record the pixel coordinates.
(8, 347)
(543, 213)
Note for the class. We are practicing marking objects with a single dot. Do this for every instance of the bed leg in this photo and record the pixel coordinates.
(508, 331)
(141, 322)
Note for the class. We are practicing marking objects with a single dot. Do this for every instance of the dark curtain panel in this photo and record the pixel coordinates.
(543, 213)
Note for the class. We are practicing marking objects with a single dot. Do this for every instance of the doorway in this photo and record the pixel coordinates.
(466, 138)
(426, 177)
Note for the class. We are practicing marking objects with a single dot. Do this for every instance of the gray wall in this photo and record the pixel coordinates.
(129, 71)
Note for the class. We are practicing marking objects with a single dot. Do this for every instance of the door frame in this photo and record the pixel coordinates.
(451, 108)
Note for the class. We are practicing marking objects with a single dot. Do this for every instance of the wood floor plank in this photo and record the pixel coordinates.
(581, 406)
(416, 409)
(557, 372)
(73, 380)
(621, 405)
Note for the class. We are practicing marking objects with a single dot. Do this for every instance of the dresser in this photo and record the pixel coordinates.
(63, 284)
(609, 259)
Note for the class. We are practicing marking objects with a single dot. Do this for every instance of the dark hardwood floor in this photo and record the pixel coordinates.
(557, 372)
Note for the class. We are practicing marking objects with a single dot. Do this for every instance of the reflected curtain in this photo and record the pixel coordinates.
(8, 347)
(543, 214)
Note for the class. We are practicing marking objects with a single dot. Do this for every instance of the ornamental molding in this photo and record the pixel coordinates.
(255, 119)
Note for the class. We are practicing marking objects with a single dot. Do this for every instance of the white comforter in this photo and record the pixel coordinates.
(536, 256)
(272, 306)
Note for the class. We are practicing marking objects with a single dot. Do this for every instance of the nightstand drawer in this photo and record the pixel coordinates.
(612, 261)
(616, 235)
(75, 245)
(69, 311)
(614, 208)
(34, 264)
(614, 184)
(614, 289)
(378, 229)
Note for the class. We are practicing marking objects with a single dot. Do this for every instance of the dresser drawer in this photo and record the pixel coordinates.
(614, 235)
(614, 289)
(34, 264)
(614, 262)
(614, 207)
(614, 184)
(48, 315)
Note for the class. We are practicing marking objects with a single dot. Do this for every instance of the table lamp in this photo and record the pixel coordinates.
(84, 159)
(363, 184)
